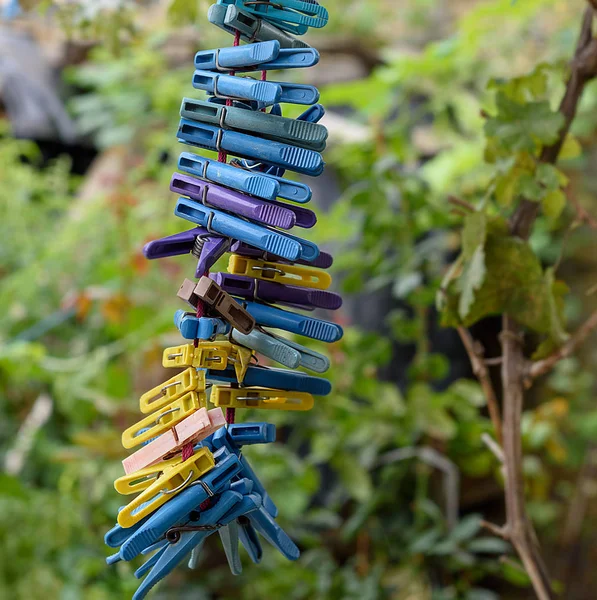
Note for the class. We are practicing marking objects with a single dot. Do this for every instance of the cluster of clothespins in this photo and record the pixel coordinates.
(189, 471)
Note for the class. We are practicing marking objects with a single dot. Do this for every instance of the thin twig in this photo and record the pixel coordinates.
(498, 531)
(493, 446)
(541, 367)
(462, 203)
(475, 353)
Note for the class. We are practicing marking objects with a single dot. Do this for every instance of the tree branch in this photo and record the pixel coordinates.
(475, 352)
(541, 367)
(583, 69)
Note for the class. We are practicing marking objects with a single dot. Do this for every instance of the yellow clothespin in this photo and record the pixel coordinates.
(160, 483)
(162, 420)
(219, 354)
(179, 356)
(226, 397)
(173, 389)
(296, 275)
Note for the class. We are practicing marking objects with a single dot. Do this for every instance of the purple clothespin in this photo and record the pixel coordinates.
(304, 217)
(276, 293)
(269, 213)
(205, 246)
(323, 261)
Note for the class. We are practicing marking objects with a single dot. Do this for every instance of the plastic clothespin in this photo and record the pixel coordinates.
(323, 260)
(269, 346)
(317, 329)
(171, 481)
(231, 19)
(249, 434)
(225, 397)
(218, 300)
(267, 213)
(283, 245)
(276, 379)
(261, 56)
(156, 424)
(243, 180)
(176, 512)
(246, 88)
(294, 16)
(298, 276)
(289, 131)
(249, 539)
(199, 328)
(173, 389)
(229, 507)
(309, 358)
(286, 156)
(193, 429)
(277, 293)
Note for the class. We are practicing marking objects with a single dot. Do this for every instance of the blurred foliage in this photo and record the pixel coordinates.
(83, 317)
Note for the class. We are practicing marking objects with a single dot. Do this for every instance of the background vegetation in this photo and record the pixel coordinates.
(384, 483)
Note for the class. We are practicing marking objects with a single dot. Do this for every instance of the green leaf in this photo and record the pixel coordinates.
(489, 545)
(553, 204)
(466, 528)
(518, 127)
(474, 233)
(571, 148)
(472, 279)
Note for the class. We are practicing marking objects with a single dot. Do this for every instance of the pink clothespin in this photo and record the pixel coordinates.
(193, 429)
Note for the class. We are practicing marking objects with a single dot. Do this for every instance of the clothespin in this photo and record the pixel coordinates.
(276, 379)
(210, 137)
(231, 19)
(262, 56)
(283, 245)
(207, 247)
(269, 346)
(267, 213)
(156, 424)
(322, 261)
(276, 293)
(229, 507)
(199, 328)
(217, 300)
(256, 184)
(265, 92)
(309, 358)
(286, 352)
(294, 16)
(298, 276)
(177, 511)
(225, 397)
(165, 393)
(193, 429)
(317, 329)
(249, 434)
(172, 478)
(257, 123)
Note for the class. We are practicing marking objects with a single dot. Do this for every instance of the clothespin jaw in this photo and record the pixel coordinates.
(218, 300)
(225, 397)
(192, 327)
(191, 430)
(188, 381)
(297, 276)
(162, 420)
(172, 481)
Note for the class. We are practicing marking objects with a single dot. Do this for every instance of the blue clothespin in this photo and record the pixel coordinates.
(199, 328)
(294, 16)
(252, 28)
(243, 180)
(308, 358)
(313, 114)
(317, 329)
(213, 138)
(278, 379)
(264, 56)
(177, 550)
(283, 245)
(249, 434)
(267, 92)
(180, 508)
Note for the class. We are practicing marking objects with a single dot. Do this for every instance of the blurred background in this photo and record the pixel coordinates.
(384, 483)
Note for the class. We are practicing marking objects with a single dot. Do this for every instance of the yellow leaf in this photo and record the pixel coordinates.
(571, 148)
